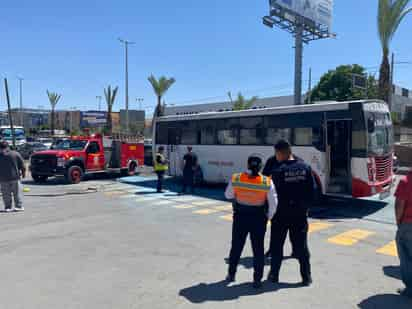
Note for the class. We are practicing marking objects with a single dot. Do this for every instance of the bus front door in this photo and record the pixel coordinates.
(339, 143)
(172, 151)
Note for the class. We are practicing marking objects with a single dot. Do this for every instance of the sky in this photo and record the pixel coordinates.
(209, 47)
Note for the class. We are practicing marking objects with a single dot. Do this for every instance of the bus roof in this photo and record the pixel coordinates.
(305, 108)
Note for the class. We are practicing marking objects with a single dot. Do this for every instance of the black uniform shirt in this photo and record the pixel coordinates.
(295, 186)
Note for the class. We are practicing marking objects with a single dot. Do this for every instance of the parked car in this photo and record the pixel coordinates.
(46, 141)
(27, 149)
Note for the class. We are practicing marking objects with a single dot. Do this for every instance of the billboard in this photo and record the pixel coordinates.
(93, 119)
(318, 11)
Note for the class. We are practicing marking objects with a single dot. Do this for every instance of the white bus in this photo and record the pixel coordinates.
(19, 132)
(349, 145)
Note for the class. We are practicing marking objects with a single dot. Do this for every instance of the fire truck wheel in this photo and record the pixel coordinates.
(74, 174)
(132, 169)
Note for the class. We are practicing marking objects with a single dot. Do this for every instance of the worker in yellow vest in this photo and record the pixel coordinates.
(160, 168)
(254, 202)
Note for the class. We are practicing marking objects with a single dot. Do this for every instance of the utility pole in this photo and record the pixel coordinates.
(140, 100)
(21, 100)
(13, 135)
(391, 94)
(298, 63)
(310, 87)
(99, 99)
(126, 47)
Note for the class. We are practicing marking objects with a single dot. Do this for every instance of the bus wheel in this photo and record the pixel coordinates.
(74, 174)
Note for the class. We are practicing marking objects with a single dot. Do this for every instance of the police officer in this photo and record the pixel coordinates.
(160, 168)
(254, 201)
(272, 164)
(295, 186)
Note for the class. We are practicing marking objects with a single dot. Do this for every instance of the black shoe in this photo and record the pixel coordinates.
(257, 284)
(272, 278)
(405, 292)
(230, 278)
(307, 282)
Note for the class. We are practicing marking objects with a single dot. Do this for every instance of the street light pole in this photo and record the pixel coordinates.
(21, 100)
(140, 100)
(126, 46)
(298, 63)
(99, 99)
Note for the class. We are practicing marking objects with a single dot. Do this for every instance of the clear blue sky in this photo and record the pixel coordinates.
(210, 47)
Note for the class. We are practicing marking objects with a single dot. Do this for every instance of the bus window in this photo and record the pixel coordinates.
(228, 131)
(273, 135)
(251, 131)
(207, 132)
(162, 134)
(189, 133)
(303, 136)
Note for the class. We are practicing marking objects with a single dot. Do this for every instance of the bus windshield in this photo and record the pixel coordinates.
(7, 134)
(70, 145)
(380, 134)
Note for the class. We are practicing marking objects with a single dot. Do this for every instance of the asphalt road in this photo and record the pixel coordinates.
(110, 244)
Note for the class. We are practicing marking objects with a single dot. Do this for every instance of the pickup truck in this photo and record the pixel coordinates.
(80, 155)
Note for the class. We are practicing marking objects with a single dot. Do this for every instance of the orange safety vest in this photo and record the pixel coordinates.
(250, 190)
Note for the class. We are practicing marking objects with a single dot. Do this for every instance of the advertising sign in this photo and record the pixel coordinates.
(92, 119)
(318, 11)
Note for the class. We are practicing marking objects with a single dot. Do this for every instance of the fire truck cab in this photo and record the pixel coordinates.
(80, 155)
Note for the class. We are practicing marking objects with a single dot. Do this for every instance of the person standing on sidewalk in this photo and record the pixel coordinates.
(160, 168)
(189, 167)
(11, 169)
(403, 212)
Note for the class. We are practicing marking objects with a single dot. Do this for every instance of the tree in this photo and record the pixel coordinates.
(110, 96)
(390, 15)
(54, 99)
(160, 87)
(241, 102)
(337, 85)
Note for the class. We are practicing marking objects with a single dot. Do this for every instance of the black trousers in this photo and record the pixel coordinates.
(298, 233)
(245, 223)
(160, 178)
(188, 180)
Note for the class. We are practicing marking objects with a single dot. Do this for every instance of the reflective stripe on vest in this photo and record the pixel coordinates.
(160, 167)
(249, 190)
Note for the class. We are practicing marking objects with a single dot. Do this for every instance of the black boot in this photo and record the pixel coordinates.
(307, 281)
(273, 277)
(257, 284)
(230, 278)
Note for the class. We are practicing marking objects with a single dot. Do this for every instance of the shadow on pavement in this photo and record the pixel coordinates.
(220, 291)
(53, 181)
(392, 271)
(344, 208)
(174, 186)
(385, 301)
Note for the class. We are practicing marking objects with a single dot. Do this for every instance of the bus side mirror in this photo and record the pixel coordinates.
(371, 125)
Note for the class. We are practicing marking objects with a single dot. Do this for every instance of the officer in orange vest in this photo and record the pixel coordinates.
(254, 202)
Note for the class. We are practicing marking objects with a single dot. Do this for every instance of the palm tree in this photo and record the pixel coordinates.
(241, 102)
(160, 87)
(54, 99)
(110, 96)
(390, 15)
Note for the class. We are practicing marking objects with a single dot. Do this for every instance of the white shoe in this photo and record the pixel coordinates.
(19, 209)
(8, 210)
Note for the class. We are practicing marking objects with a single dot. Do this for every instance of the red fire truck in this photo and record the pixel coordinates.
(80, 155)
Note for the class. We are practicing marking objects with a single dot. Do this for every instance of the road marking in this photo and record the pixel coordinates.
(389, 249)
(205, 211)
(350, 238)
(184, 206)
(204, 203)
(128, 196)
(227, 217)
(114, 193)
(223, 207)
(318, 226)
